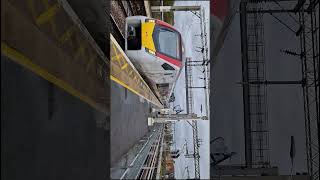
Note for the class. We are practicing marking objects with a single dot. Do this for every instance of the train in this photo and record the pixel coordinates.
(157, 51)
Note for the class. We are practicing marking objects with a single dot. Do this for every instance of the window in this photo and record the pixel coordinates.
(167, 42)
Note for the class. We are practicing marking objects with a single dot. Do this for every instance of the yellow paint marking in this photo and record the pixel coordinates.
(19, 58)
(116, 57)
(80, 51)
(124, 66)
(116, 52)
(124, 73)
(127, 87)
(52, 23)
(129, 74)
(66, 35)
(121, 61)
(48, 15)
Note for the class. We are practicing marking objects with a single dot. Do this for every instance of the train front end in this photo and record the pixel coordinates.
(156, 50)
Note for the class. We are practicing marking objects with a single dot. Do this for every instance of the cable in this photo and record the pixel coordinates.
(283, 23)
(287, 12)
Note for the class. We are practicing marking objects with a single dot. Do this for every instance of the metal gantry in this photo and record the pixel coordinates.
(189, 85)
(254, 81)
(254, 95)
(195, 154)
(194, 125)
(204, 51)
(309, 41)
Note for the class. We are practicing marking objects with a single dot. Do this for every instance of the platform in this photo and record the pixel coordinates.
(124, 73)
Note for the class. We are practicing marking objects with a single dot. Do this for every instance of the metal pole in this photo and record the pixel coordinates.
(174, 8)
(161, 11)
(198, 87)
(246, 104)
(301, 82)
(187, 86)
(272, 11)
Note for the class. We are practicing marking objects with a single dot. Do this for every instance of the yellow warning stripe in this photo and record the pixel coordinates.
(17, 57)
(116, 49)
(125, 86)
(124, 73)
(128, 87)
(66, 35)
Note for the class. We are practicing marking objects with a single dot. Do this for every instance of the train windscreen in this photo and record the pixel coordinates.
(167, 42)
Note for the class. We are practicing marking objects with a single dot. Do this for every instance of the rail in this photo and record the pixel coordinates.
(144, 163)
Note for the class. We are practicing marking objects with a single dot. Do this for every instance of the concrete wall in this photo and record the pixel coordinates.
(46, 133)
(285, 102)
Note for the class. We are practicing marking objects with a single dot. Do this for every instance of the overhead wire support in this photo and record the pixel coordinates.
(308, 33)
(254, 95)
(188, 81)
(309, 40)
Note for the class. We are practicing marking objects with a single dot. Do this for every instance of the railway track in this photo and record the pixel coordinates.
(119, 11)
(152, 160)
(146, 162)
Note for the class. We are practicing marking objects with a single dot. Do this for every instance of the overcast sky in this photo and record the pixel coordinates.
(189, 26)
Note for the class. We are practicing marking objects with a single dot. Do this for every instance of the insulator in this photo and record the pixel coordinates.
(290, 52)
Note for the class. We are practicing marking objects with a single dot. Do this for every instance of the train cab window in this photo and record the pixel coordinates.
(134, 36)
(167, 42)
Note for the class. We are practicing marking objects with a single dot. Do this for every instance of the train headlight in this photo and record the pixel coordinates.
(150, 51)
(150, 20)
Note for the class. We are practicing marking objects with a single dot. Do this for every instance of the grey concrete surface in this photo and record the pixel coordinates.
(121, 166)
(129, 115)
(46, 133)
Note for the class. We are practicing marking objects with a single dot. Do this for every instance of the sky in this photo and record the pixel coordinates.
(189, 26)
